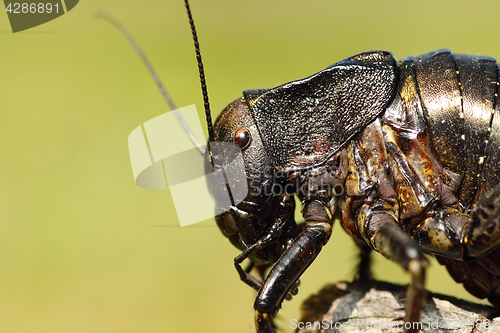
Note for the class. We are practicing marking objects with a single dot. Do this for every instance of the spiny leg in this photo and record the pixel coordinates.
(286, 272)
(294, 261)
(393, 243)
(244, 274)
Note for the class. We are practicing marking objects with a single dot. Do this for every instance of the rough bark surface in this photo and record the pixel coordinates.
(378, 307)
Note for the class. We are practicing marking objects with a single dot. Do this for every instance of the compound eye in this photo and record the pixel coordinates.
(242, 138)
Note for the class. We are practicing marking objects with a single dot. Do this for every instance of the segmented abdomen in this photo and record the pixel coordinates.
(453, 99)
(457, 103)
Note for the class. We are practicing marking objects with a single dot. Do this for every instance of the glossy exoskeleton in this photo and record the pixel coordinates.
(406, 154)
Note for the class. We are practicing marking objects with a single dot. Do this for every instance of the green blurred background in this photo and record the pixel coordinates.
(82, 248)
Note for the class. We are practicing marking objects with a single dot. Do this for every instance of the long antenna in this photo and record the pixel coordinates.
(213, 151)
(111, 19)
(208, 115)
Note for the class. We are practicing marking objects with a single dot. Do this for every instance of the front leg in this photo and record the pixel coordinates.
(293, 262)
(284, 207)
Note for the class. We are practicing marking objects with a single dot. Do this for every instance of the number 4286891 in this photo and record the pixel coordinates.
(24, 8)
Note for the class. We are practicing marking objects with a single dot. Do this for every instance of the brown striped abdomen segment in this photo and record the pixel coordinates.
(458, 94)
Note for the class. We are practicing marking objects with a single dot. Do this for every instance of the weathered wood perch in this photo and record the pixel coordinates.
(379, 307)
